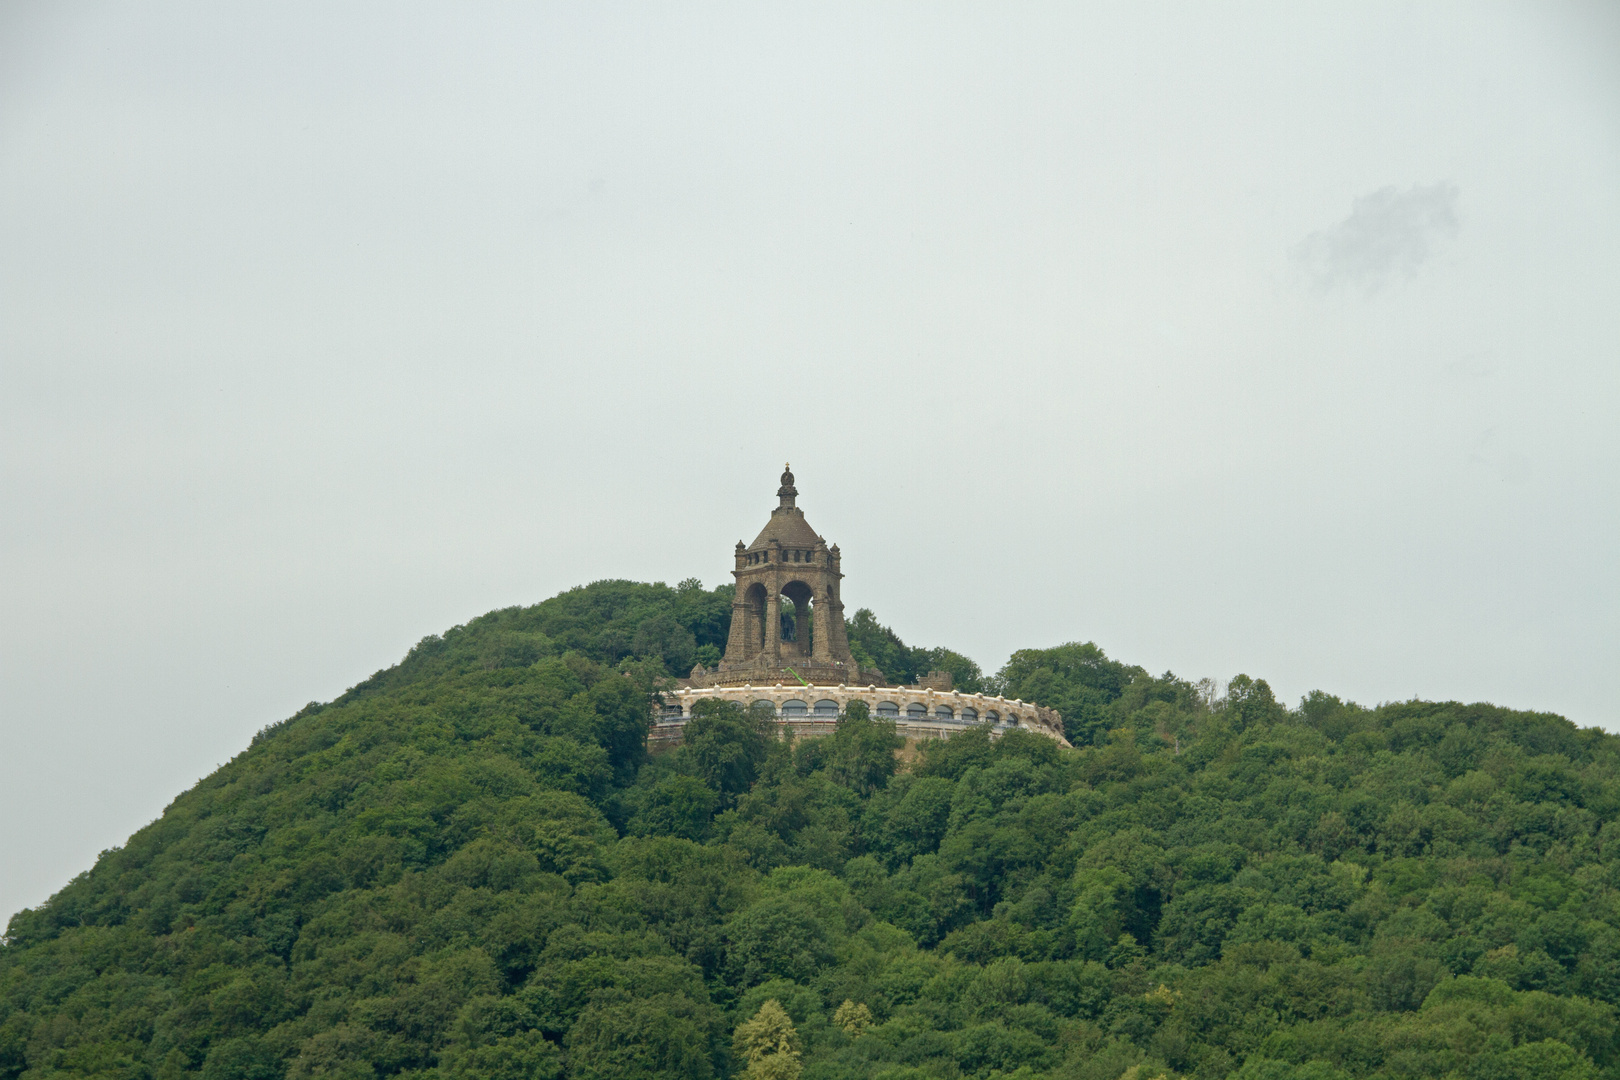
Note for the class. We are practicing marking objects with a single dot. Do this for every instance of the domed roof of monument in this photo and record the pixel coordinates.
(787, 524)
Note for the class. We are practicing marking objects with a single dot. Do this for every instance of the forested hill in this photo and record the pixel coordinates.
(468, 866)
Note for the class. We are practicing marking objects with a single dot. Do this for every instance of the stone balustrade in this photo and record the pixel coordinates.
(918, 712)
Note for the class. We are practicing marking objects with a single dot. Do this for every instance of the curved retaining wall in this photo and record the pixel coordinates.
(918, 713)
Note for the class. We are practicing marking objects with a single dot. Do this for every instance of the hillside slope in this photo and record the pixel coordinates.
(467, 866)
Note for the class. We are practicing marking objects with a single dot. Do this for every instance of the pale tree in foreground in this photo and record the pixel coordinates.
(853, 1018)
(769, 1044)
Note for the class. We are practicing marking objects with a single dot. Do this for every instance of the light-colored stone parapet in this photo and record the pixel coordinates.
(918, 712)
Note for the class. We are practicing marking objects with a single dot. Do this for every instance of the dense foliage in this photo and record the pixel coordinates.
(875, 645)
(468, 866)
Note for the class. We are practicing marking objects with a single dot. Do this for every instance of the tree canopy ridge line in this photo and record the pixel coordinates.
(469, 866)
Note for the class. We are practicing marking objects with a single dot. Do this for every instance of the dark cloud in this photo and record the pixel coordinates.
(1388, 232)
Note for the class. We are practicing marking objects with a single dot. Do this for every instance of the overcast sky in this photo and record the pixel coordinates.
(1278, 339)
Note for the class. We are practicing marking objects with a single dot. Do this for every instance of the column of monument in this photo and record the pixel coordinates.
(824, 608)
(773, 605)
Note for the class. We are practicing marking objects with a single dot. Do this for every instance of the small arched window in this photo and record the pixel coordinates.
(970, 715)
(992, 717)
(826, 707)
(762, 704)
(888, 708)
(795, 708)
(943, 712)
(916, 708)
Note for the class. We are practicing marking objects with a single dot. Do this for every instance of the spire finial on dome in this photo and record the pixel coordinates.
(787, 492)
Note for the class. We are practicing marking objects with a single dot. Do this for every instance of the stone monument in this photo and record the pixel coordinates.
(788, 652)
(787, 620)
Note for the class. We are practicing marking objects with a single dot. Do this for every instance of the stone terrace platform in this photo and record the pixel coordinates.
(918, 712)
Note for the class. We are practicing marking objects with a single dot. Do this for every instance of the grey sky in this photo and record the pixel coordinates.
(1389, 232)
(1278, 339)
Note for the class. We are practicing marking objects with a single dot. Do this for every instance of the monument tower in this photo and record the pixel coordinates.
(803, 638)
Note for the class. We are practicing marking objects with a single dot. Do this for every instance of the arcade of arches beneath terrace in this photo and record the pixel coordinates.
(917, 712)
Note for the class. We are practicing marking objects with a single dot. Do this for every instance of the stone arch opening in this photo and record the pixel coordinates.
(826, 707)
(798, 627)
